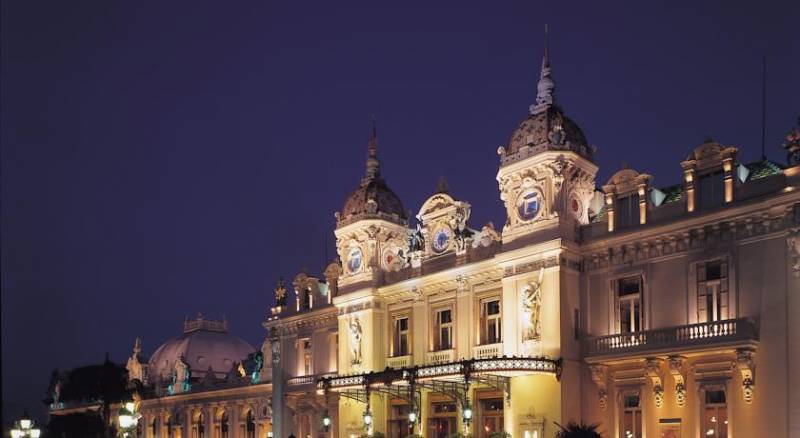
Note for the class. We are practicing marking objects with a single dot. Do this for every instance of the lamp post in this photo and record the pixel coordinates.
(466, 416)
(128, 419)
(326, 421)
(23, 428)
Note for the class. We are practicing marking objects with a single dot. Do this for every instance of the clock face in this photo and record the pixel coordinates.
(354, 259)
(441, 239)
(529, 203)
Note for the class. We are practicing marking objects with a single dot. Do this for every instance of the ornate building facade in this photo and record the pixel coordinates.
(652, 311)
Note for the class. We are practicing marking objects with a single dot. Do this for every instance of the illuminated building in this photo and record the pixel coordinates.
(650, 310)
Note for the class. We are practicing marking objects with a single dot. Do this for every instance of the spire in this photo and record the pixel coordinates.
(373, 165)
(545, 96)
(442, 186)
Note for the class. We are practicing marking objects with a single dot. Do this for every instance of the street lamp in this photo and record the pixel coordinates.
(367, 417)
(466, 416)
(24, 428)
(326, 421)
(127, 418)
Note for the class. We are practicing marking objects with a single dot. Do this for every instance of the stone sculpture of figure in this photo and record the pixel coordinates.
(240, 369)
(793, 240)
(259, 365)
(532, 305)
(134, 367)
(57, 393)
(276, 351)
(355, 341)
(182, 374)
(416, 240)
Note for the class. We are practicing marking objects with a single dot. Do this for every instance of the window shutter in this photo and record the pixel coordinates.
(436, 333)
(615, 291)
(484, 328)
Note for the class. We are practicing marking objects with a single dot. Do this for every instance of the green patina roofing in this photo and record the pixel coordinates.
(601, 216)
(672, 193)
(763, 168)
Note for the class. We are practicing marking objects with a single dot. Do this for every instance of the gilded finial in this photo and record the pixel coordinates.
(280, 293)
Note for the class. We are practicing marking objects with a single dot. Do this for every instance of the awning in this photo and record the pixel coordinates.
(451, 379)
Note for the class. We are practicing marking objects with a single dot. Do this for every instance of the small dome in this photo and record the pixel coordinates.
(549, 128)
(203, 344)
(373, 199)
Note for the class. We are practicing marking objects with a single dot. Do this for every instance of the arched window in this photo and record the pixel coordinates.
(199, 430)
(154, 428)
(223, 425)
(250, 427)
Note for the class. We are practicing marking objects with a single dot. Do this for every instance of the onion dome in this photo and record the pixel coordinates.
(204, 345)
(546, 127)
(372, 199)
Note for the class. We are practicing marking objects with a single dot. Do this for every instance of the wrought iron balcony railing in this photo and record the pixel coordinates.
(678, 338)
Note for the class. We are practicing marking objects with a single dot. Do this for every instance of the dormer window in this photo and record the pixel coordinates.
(627, 210)
(711, 189)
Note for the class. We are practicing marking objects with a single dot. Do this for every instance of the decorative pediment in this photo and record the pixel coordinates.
(438, 201)
(625, 181)
(709, 154)
(443, 225)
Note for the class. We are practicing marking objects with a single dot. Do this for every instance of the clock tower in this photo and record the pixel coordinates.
(371, 229)
(547, 171)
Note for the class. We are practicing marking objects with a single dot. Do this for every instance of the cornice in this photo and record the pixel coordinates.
(323, 318)
(685, 237)
(755, 211)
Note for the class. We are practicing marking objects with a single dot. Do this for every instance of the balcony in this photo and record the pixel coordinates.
(731, 332)
(398, 362)
(441, 356)
(487, 351)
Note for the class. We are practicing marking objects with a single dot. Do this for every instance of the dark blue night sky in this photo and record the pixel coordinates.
(174, 157)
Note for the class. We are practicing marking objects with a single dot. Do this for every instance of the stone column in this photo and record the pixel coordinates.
(208, 420)
(279, 429)
(186, 422)
(233, 411)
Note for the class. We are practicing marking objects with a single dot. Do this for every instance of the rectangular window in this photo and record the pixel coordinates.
(631, 417)
(491, 321)
(442, 422)
(712, 291)
(398, 419)
(711, 189)
(490, 412)
(443, 329)
(629, 304)
(400, 336)
(308, 367)
(715, 416)
(627, 211)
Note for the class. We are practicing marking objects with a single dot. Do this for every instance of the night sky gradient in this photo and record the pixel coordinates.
(166, 158)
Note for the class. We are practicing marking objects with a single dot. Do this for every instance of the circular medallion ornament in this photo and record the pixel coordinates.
(391, 259)
(441, 239)
(575, 206)
(354, 259)
(529, 203)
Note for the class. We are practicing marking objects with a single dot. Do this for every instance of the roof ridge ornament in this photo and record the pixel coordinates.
(373, 170)
(545, 96)
(442, 186)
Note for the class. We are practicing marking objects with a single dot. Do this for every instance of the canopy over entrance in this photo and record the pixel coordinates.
(451, 379)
